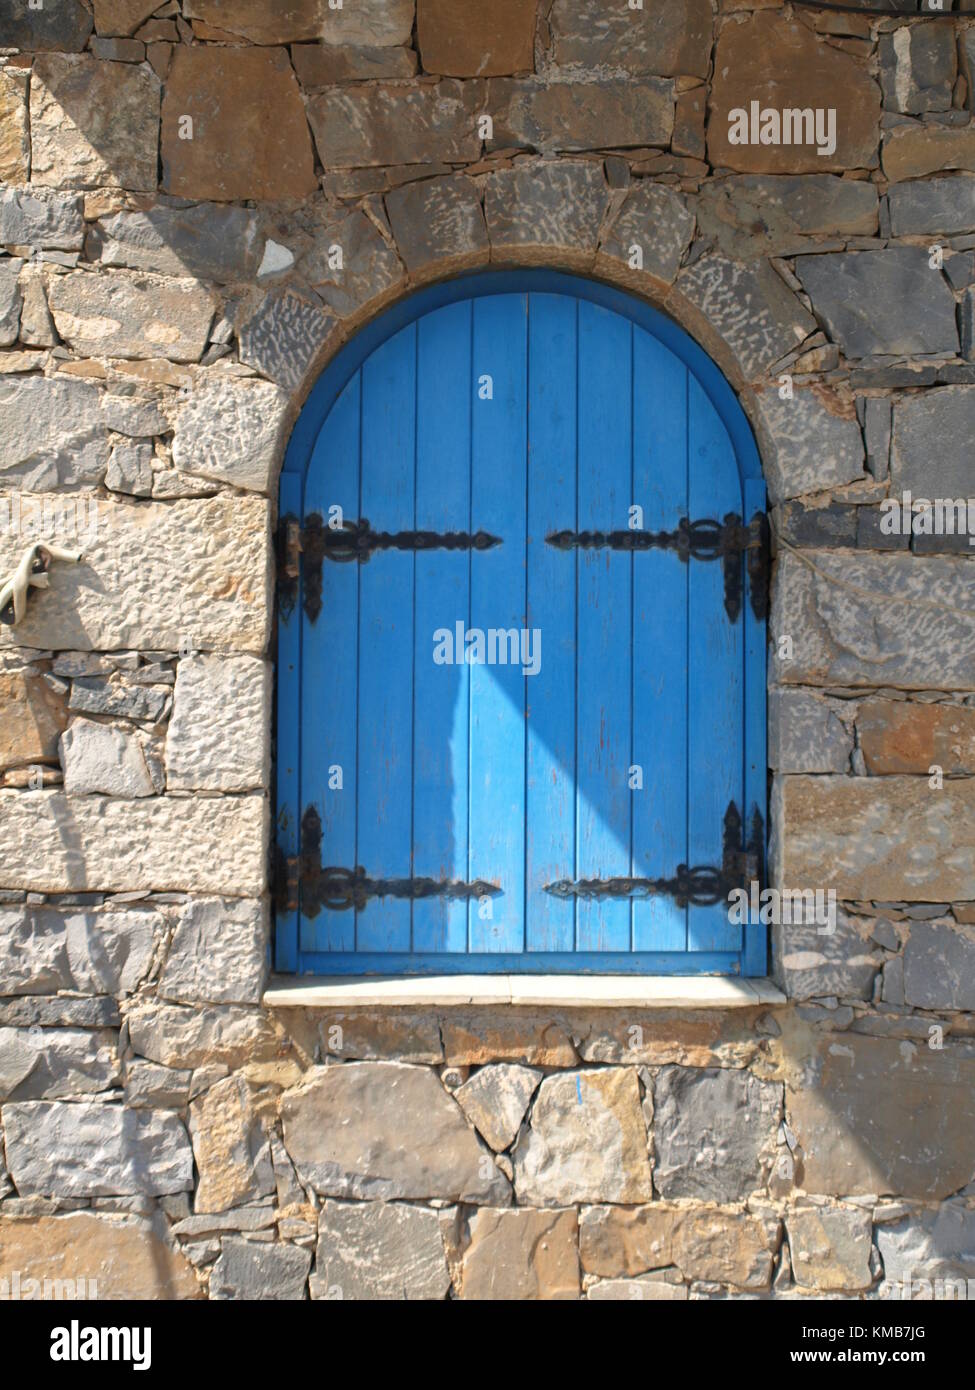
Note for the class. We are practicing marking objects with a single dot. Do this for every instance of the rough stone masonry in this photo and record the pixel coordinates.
(174, 177)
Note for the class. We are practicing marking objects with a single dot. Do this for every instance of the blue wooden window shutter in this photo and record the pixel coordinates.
(520, 726)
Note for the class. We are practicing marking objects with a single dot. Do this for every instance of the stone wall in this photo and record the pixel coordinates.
(176, 178)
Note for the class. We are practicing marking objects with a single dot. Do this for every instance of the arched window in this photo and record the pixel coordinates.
(521, 645)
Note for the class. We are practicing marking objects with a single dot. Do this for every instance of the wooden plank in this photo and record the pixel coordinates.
(441, 692)
(755, 959)
(660, 582)
(715, 695)
(288, 738)
(604, 662)
(328, 705)
(550, 773)
(497, 726)
(385, 719)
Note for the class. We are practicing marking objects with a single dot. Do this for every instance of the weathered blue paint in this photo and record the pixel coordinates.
(595, 402)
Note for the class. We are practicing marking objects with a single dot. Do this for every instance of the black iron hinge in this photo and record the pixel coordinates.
(302, 549)
(702, 886)
(705, 539)
(302, 880)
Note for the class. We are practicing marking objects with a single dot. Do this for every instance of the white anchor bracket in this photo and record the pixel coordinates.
(31, 573)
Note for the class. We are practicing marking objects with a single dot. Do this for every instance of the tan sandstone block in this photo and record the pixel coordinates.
(120, 1257)
(14, 138)
(192, 574)
(32, 717)
(100, 844)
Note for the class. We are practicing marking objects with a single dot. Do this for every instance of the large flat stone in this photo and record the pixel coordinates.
(659, 37)
(219, 953)
(121, 17)
(586, 1141)
(917, 148)
(285, 336)
(928, 207)
(87, 1255)
(463, 38)
(806, 733)
(101, 759)
(907, 736)
(931, 438)
(51, 432)
(813, 441)
(57, 1063)
(545, 211)
(918, 68)
(41, 217)
(933, 1244)
(830, 1247)
(520, 1255)
(324, 64)
(749, 308)
(495, 1100)
(657, 220)
(805, 73)
(552, 117)
(888, 301)
(727, 1247)
(749, 215)
(875, 839)
(939, 966)
(126, 315)
(370, 268)
(57, 844)
(14, 125)
(44, 949)
(236, 152)
(218, 734)
(93, 124)
(379, 1251)
(33, 718)
(207, 240)
(438, 225)
(160, 576)
(883, 1116)
(379, 22)
(812, 964)
(713, 1132)
(268, 1273)
(41, 28)
(87, 1149)
(174, 1036)
(381, 1130)
(231, 431)
(363, 126)
(11, 300)
(230, 1146)
(893, 620)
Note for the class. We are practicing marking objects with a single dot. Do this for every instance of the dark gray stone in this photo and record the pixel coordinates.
(656, 220)
(369, 268)
(56, 1011)
(876, 302)
(807, 735)
(834, 525)
(56, 1063)
(41, 217)
(960, 269)
(876, 431)
(750, 307)
(359, 127)
(610, 113)
(810, 964)
(815, 441)
(713, 1132)
(870, 536)
(546, 205)
(62, 26)
(247, 1270)
(209, 241)
(43, 950)
(667, 40)
(931, 445)
(438, 223)
(939, 966)
(927, 207)
(750, 215)
(11, 300)
(918, 67)
(96, 695)
(966, 325)
(284, 337)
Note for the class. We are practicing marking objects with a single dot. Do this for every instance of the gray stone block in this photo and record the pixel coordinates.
(810, 964)
(918, 68)
(713, 1132)
(379, 1250)
(930, 207)
(939, 966)
(806, 734)
(931, 444)
(268, 1273)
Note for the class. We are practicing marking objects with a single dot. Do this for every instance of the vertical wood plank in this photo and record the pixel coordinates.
(288, 737)
(603, 672)
(755, 961)
(715, 695)
(440, 736)
(385, 729)
(497, 724)
(660, 582)
(550, 780)
(328, 707)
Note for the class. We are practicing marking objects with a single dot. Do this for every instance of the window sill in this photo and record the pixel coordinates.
(540, 991)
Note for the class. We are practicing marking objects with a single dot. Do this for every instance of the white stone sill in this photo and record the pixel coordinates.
(545, 991)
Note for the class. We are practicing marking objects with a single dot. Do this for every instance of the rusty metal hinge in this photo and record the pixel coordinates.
(302, 549)
(700, 886)
(338, 889)
(705, 539)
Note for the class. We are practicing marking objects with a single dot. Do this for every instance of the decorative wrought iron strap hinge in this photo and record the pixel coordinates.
(302, 879)
(701, 886)
(301, 550)
(705, 539)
